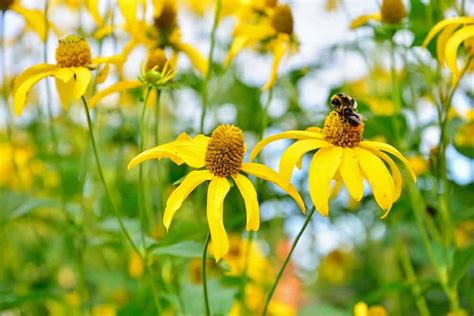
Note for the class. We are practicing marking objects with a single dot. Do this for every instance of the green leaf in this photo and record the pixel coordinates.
(185, 249)
(463, 259)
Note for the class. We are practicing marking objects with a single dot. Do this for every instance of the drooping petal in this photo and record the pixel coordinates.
(216, 193)
(322, 169)
(350, 173)
(294, 153)
(192, 152)
(280, 46)
(444, 23)
(262, 171)
(116, 87)
(389, 149)
(83, 78)
(103, 73)
(195, 57)
(114, 59)
(377, 175)
(93, 9)
(288, 134)
(128, 8)
(34, 18)
(247, 190)
(177, 197)
(23, 87)
(65, 91)
(441, 43)
(364, 19)
(452, 46)
(33, 70)
(397, 176)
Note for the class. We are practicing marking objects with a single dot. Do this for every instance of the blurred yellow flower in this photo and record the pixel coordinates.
(164, 33)
(66, 278)
(104, 310)
(222, 156)
(15, 166)
(274, 29)
(454, 31)
(135, 265)
(391, 12)
(418, 164)
(341, 150)
(156, 73)
(464, 234)
(34, 18)
(72, 72)
(361, 309)
(336, 266)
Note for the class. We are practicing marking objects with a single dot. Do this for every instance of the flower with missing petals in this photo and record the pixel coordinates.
(343, 155)
(219, 159)
(72, 71)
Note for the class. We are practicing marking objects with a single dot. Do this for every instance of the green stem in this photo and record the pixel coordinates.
(286, 261)
(157, 142)
(265, 107)
(204, 276)
(102, 178)
(205, 92)
(154, 290)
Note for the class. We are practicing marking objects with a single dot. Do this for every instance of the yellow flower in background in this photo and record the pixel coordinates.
(156, 73)
(418, 164)
(342, 154)
(274, 30)
(464, 234)
(452, 33)
(221, 156)
(104, 310)
(72, 72)
(34, 18)
(361, 309)
(391, 12)
(163, 33)
(336, 266)
(136, 265)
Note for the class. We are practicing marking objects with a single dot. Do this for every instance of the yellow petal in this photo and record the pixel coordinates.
(350, 173)
(280, 46)
(249, 195)
(34, 19)
(444, 23)
(117, 87)
(263, 172)
(288, 134)
(128, 8)
(361, 309)
(294, 153)
(364, 19)
(65, 91)
(322, 169)
(82, 78)
(33, 70)
(397, 176)
(441, 43)
(377, 175)
(452, 46)
(192, 152)
(103, 73)
(92, 7)
(389, 149)
(23, 87)
(177, 197)
(64, 74)
(114, 59)
(195, 57)
(216, 193)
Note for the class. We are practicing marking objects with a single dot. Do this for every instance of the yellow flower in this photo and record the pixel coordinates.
(361, 309)
(33, 18)
(156, 73)
(72, 72)
(418, 164)
(104, 310)
(274, 29)
(164, 33)
(135, 265)
(464, 233)
(336, 267)
(342, 153)
(454, 31)
(221, 156)
(391, 12)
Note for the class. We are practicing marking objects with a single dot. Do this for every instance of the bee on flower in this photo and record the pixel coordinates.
(452, 32)
(72, 72)
(342, 154)
(273, 29)
(218, 158)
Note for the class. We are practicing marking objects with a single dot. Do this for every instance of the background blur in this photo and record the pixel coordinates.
(61, 249)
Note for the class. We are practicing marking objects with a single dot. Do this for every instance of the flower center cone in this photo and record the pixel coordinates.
(73, 51)
(341, 133)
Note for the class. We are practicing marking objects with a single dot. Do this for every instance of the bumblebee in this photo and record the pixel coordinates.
(346, 107)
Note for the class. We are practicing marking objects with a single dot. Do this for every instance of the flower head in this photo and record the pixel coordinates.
(273, 27)
(343, 155)
(391, 12)
(219, 159)
(72, 72)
